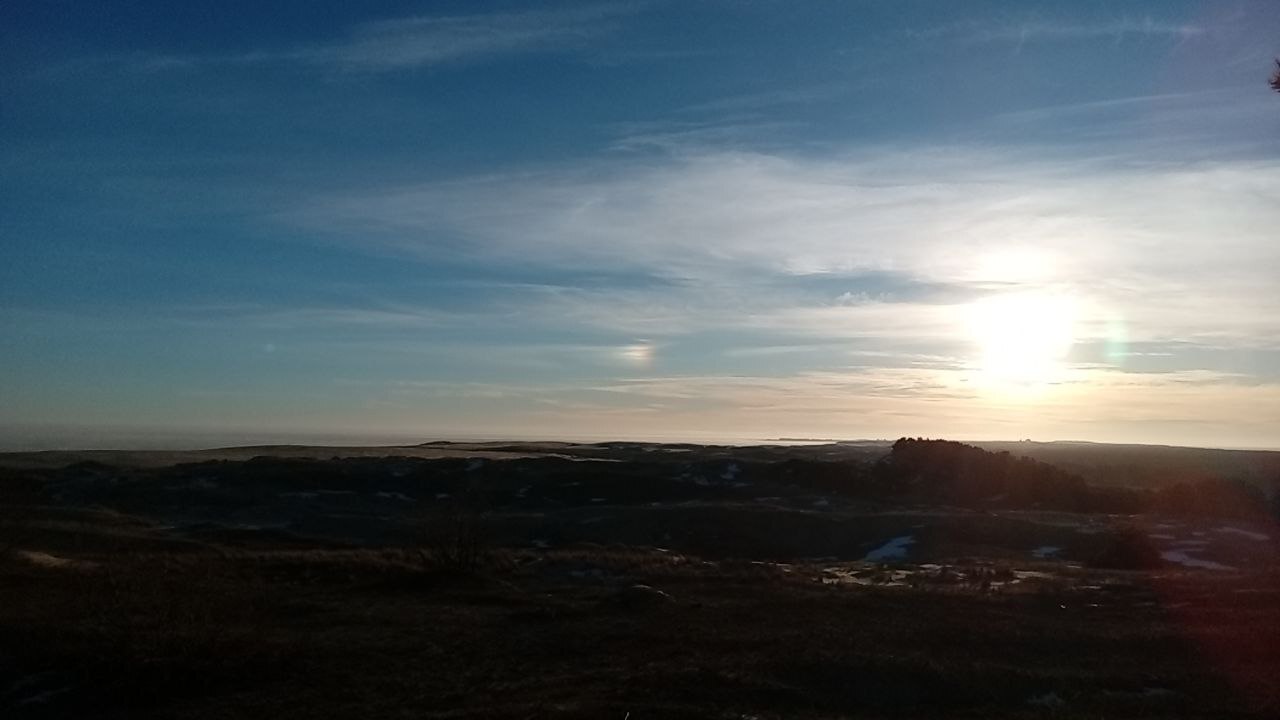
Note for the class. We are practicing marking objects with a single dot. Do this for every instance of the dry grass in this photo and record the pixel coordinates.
(385, 631)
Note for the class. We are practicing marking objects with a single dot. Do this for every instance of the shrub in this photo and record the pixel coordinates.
(1126, 548)
(456, 536)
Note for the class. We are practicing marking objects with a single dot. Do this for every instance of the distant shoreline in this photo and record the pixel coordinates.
(37, 438)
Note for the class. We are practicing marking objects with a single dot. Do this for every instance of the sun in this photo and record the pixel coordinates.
(1023, 338)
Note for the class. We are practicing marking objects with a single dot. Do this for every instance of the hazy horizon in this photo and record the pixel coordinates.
(640, 220)
(74, 438)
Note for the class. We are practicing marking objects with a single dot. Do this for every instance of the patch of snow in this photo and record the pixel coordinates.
(822, 502)
(866, 578)
(299, 495)
(391, 495)
(46, 560)
(44, 697)
(1162, 536)
(895, 549)
(475, 464)
(731, 472)
(846, 579)
(1046, 551)
(540, 544)
(1182, 558)
(1049, 700)
(24, 681)
(1149, 693)
(443, 496)
(597, 500)
(1245, 533)
(643, 593)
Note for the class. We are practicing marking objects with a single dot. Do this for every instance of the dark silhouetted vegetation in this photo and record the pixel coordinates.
(967, 475)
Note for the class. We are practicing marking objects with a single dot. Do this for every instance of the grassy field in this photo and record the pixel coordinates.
(712, 590)
(568, 634)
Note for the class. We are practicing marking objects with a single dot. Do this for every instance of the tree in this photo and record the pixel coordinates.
(1275, 77)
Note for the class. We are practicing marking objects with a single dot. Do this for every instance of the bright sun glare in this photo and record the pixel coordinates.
(1023, 338)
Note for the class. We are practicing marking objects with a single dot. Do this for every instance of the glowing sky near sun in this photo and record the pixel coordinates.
(653, 220)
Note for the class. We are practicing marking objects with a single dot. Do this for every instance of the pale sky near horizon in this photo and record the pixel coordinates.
(703, 220)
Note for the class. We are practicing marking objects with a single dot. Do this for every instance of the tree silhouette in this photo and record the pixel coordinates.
(1275, 77)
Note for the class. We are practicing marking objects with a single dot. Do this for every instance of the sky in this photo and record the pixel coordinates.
(704, 220)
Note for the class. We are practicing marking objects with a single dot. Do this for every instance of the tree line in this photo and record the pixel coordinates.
(954, 472)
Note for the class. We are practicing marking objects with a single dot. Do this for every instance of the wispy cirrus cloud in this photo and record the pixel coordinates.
(1182, 250)
(425, 41)
(1116, 29)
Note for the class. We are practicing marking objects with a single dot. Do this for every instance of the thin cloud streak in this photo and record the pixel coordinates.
(424, 41)
(1117, 30)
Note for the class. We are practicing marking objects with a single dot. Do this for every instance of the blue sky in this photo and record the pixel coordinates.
(702, 220)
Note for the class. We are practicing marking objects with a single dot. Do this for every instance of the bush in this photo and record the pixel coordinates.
(456, 537)
(1126, 548)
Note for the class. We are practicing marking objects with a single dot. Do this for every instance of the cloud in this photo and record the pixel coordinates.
(344, 317)
(1117, 29)
(789, 96)
(422, 41)
(686, 135)
(1173, 251)
(1219, 123)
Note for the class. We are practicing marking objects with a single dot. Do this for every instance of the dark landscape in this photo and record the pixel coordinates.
(560, 580)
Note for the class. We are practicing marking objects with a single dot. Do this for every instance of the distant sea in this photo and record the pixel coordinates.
(29, 438)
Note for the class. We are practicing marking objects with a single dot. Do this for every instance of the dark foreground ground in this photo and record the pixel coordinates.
(714, 585)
